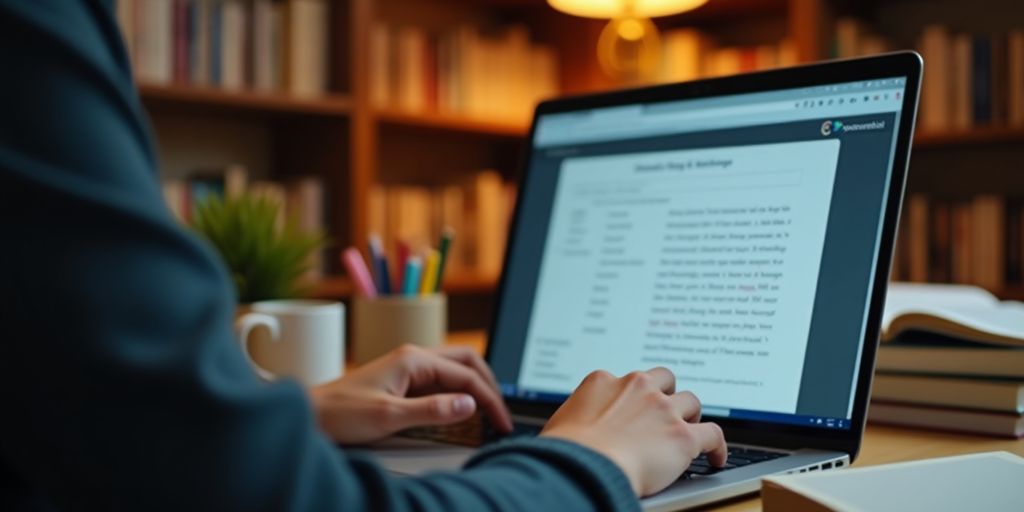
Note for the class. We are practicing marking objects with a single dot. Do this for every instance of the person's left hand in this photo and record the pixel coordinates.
(408, 387)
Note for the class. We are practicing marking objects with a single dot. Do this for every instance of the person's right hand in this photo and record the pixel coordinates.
(640, 423)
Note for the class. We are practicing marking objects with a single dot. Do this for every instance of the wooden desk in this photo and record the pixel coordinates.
(882, 444)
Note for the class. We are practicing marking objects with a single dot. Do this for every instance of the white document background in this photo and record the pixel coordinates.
(704, 261)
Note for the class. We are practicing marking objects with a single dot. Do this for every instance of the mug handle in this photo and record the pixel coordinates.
(245, 325)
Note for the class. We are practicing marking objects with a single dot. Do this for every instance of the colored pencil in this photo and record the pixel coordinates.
(357, 270)
(429, 284)
(380, 265)
(403, 258)
(413, 269)
(447, 235)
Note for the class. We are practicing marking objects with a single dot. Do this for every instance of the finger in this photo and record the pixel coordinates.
(711, 441)
(687, 406)
(440, 409)
(664, 379)
(448, 375)
(469, 357)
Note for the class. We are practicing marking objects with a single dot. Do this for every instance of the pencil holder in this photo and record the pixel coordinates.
(385, 323)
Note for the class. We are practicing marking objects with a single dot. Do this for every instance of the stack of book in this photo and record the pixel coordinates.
(951, 358)
(689, 54)
(301, 199)
(971, 79)
(478, 210)
(461, 72)
(976, 241)
(263, 45)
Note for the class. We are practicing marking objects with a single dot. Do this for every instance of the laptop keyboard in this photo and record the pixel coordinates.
(738, 457)
(474, 432)
(477, 432)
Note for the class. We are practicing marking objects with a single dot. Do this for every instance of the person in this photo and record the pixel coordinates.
(124, 388)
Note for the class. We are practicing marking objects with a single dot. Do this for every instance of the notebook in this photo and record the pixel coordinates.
(983, 481)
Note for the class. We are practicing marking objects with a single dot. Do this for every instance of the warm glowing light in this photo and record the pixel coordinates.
(609, 9)
(629, 47)
(631, 29)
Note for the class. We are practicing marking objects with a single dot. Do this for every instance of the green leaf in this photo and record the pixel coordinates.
(265, 257)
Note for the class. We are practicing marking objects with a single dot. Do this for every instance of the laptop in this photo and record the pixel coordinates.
(738, 231)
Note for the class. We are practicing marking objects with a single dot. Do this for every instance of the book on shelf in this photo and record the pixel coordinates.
(977, 240)
(854, 38)
(978, 481)
(461, 71)
(477, 209)
(971, 79)
(689, 54)
(264, 45)
(945, 418)
(1000, 395)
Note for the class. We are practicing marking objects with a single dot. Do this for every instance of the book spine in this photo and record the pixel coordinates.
(180, 46)
(982, 79)
(940, 248)
(216, 11)
(1000, 79)
(1014, 235)
(1015, 56)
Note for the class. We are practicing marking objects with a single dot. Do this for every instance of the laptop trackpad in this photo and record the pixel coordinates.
(414, 456)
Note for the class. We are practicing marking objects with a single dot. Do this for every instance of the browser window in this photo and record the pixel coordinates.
(728, 239)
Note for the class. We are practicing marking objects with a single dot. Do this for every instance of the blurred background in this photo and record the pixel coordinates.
(400, 117)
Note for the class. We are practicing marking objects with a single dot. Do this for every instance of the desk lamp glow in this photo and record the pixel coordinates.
(629, 46)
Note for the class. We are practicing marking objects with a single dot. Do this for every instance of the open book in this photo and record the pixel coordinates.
(958, 311)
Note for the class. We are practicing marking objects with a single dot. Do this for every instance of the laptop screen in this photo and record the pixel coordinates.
(731, 239)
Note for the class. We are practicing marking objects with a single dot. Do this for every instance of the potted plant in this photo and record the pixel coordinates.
(266, 256)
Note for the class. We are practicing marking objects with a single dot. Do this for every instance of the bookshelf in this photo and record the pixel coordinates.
(977, 136)
(429, 123)
(353, 143)
(198, 98)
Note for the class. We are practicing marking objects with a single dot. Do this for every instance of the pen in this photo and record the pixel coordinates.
(380, 265)
(357, 270)
(430, 273)
(403, 258)
(413, 268)
(446, 243)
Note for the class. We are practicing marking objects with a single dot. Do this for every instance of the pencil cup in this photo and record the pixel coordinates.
(382, 324)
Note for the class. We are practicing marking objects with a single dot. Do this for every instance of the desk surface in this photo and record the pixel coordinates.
(881, 444)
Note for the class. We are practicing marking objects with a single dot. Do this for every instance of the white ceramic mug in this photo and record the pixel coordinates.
(304, 339)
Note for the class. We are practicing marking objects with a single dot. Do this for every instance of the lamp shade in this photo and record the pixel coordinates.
(609, 9)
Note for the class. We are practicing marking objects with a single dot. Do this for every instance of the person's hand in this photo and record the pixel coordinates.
(408, 387)
(641, 424)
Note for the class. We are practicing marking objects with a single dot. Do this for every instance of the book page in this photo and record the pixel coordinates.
(703, 261)
(954, 310)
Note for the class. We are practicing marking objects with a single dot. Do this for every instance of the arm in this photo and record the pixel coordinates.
(118, 363)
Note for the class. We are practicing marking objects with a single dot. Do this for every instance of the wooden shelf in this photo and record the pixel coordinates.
(331, 287)
(468, 283)
(451, 124)
(339, 287)
(1011, 293)
(979, 136)
(242, 100)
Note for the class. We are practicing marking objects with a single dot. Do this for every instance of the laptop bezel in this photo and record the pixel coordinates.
(899, 64)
